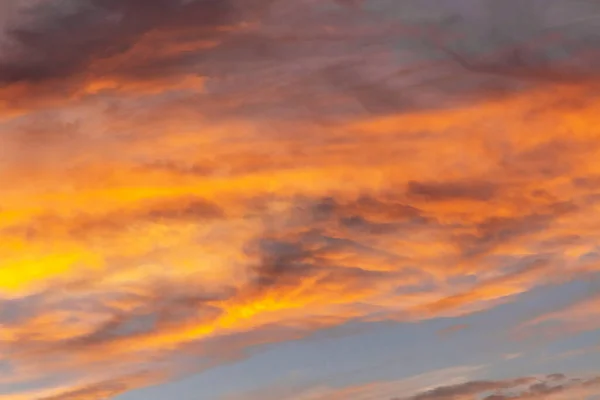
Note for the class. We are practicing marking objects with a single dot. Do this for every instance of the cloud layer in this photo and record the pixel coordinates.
(184, 180)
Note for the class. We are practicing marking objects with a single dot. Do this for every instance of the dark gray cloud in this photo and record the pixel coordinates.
(496, 231)
(533, 388)
(470, 388)
(296, 71)
(282, 261)
(450, 392)
(289, 259)
(64, 40)
(442, 191)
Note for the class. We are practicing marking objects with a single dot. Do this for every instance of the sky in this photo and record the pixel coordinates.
(299, 199)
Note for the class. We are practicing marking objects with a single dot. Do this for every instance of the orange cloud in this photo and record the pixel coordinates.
(155, 216)
(165, 259)
(283, 255)
(89, 391)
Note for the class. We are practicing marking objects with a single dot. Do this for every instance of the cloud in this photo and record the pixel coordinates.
(153, 222)
(452, 330)
(156, 260)
(579, 316)
(89, 391)
(554, 386)
(241, 50)
(440, 191)
(67, 39)
(162, 259)
(72, 50)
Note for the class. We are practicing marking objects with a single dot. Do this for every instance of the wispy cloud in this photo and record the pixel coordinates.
(372, 390)
(554, 386)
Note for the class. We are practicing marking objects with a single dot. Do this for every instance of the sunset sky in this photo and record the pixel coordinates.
(299, 199)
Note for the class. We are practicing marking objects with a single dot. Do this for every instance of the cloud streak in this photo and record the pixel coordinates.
(554, 386)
